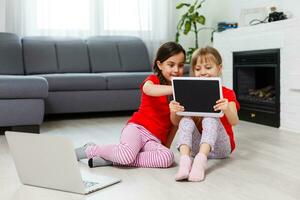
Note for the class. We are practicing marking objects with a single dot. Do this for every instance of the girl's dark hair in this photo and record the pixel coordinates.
(164, 52)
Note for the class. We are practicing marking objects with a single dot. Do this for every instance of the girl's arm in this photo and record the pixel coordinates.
(155, 90)
(229, 110)
(174, 108)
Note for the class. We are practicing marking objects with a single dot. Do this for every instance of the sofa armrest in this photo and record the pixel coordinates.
(23, 87)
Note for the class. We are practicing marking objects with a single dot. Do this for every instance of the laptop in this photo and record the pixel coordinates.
(198, 95)
(49, 161)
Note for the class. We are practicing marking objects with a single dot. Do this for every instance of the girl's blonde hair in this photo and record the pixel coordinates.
(207, 54)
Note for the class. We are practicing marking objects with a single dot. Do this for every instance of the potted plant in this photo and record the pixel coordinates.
(190, 22)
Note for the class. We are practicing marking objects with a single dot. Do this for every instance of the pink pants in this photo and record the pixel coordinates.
(137, 148)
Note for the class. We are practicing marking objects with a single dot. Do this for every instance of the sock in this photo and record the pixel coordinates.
(198, 169)
(80, 151)
(98, 162)
(184, 168)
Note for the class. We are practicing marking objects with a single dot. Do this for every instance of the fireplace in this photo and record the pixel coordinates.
(256, 81)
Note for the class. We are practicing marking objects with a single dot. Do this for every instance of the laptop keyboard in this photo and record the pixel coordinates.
(88, 184)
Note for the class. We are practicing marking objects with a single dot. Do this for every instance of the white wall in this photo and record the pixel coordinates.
(229, 11)
(2, 15)
(283, 35)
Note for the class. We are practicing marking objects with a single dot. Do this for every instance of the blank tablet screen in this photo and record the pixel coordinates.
(197, 95)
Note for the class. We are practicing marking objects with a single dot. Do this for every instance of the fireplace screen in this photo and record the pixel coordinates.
(256, 83)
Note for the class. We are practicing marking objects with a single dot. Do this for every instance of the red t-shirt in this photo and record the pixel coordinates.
(230, 95)
(153, 113)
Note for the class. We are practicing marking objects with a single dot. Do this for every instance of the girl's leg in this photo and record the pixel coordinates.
(124, 153)
(214, 143)
(188, 137)
(154, 154)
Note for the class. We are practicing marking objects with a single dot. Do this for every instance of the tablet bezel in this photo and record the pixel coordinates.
(201, 114)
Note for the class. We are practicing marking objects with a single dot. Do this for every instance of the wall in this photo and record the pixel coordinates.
(2, 15)
(229, 11)
(282, 34)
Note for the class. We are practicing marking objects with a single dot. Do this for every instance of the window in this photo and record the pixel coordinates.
(111, 15)
(63, 15)
(130, 15)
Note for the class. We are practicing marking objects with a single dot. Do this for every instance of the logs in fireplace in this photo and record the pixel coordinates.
(256, 81)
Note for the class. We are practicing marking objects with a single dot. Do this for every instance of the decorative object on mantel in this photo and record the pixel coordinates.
(276, 16)
(260, 16)
(190, 22)
(222, 26)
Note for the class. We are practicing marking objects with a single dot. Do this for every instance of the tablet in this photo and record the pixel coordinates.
(198, 95)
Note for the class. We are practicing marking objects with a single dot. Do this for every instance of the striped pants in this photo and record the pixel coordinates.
(137, 148)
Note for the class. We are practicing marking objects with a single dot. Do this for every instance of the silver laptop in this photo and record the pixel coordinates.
(50, 162)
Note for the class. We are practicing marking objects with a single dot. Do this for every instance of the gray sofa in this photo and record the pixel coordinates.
(47, 75)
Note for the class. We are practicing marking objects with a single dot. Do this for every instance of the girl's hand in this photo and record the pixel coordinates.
(222, 104)
(175, 107)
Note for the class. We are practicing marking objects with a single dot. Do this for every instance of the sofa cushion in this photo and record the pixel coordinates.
(133, 54)
(39, 55)
(72, 55)
(23, 87)
(103, 52)
(124, 80)
(75, 82)
(11, 60)
(21, 112)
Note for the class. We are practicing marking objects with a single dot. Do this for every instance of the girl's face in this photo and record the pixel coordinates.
(172, 67)
(207, 69)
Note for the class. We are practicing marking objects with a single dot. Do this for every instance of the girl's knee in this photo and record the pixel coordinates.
(210, 122)
(126, 156)
(167, 158)
(187, 124)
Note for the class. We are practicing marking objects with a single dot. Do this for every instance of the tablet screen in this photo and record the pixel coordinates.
(197, 95)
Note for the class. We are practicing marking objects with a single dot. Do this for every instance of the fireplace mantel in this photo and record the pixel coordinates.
(281, 34)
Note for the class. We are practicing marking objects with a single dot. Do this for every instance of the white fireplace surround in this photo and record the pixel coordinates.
(283, 35)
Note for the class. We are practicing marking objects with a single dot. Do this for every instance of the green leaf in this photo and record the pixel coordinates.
(182, 4)
(191, 9)
(181, 22)
(199, 6)
(187, 27)
(201, 19)
(177, 37)
(193, 17)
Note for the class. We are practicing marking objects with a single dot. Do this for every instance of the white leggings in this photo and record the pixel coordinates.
(213, 133)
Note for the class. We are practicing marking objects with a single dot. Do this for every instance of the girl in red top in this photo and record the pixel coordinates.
(205, 137)
(145, 137)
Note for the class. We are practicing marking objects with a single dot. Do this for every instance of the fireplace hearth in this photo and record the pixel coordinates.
(256, 81)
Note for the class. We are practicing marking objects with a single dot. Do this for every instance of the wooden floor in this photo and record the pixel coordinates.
(265, 165)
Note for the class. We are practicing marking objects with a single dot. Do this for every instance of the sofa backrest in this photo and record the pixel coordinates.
(72, 55)
(133, 54)
(118, 54)
(104, 55)
(11, 60)
(43, 55)
(39, 55)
